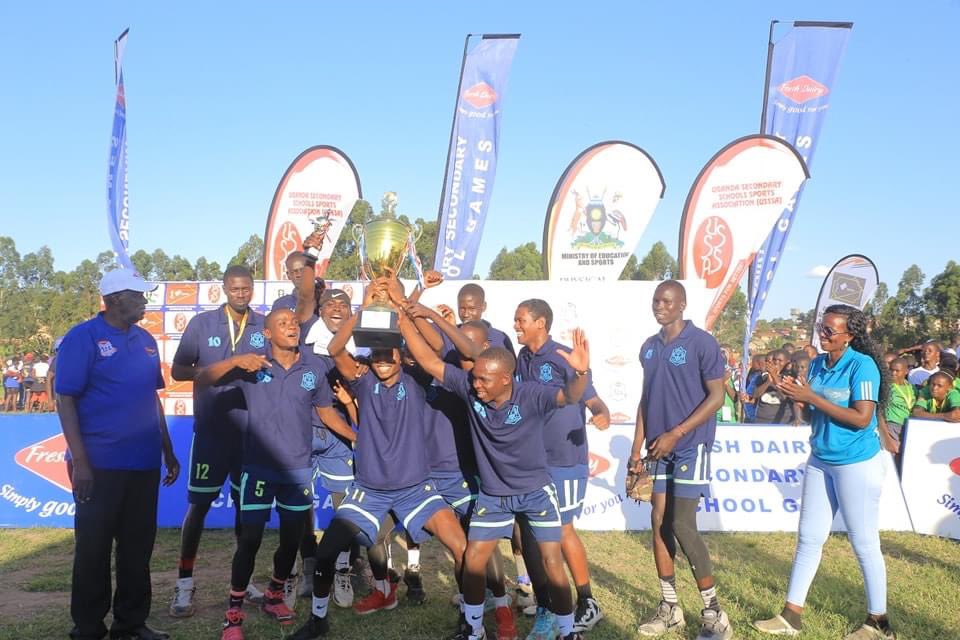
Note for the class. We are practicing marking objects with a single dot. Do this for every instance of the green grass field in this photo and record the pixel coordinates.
(751, 569)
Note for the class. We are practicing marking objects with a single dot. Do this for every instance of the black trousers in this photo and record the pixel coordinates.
(123, 508)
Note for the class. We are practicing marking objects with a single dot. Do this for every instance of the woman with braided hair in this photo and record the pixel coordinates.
(846, 388)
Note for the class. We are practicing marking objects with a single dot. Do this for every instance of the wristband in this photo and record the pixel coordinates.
(580, 374)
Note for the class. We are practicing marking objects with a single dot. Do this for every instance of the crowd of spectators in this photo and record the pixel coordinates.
(28, 383)
(924, 385)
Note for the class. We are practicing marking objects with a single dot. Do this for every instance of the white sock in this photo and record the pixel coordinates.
(185, 583)
(383, 586)
(565, 623)
(320, 606)
(343, 560)
(413, 558)
(709, 597)
(502, 601)
(389, 546)
(668, 589)
(474, 615)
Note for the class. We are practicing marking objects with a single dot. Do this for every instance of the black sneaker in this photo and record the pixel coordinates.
(465, 631)
(313, 628)
(140, 633)
(587, 616)
(415, 592)
(393, 576)
(573, 635)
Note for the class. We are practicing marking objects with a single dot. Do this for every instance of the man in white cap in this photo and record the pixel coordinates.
(108, 373)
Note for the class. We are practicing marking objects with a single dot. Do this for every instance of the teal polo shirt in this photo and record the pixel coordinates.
(855, 376)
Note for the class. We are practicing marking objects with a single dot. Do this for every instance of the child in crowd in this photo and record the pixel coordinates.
(944, 400)
(797, 369)
(902, 399)
(772, 406)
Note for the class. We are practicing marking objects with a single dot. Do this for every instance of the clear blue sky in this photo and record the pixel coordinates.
(221, 97)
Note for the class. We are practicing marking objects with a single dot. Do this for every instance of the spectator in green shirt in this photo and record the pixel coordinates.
(902, 398)
(944, 400)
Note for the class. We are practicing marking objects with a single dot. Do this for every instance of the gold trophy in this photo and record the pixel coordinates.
(382, 246)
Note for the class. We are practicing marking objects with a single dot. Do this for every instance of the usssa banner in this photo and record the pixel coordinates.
(472, 154)
(852, 281)
(599, 209)
(118, 211)
(320, 187)
(730, 209)
(802, 72)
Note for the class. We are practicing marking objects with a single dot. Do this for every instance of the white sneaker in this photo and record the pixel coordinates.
(530, 611)
(253, 595)
(342, 589)
(182, 604)
(522, 599)
(290, 588)
(669, 617)
(714, 625)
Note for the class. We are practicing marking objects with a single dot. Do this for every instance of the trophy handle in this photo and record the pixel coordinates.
(416, 230)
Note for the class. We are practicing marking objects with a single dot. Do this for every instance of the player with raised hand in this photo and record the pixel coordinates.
(392, 471)
(507, 426)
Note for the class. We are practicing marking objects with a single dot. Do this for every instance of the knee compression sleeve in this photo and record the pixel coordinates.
(685, 530)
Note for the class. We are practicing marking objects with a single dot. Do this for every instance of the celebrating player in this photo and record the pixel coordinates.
(566, 442)
(280, 391)
(507, 427)
(392, 471)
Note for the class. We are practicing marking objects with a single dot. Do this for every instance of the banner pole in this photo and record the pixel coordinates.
(766, 77)
(453, 125)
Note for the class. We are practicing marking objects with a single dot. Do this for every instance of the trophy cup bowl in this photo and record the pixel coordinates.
(382, 248)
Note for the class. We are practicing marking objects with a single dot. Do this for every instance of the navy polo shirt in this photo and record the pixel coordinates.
(114, 376)
(674, 383)
(507, 441)
(449, 448)
(288, 301)
(206, 341)
(390, 452)
(497, 338)
(565, 434)
(280, 406)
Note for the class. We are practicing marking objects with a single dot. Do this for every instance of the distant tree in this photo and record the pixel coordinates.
(732, 323)
(522, 263)
(902, 321)
(207, 270)
(942, 301)
(143, 263)
(179, 268)
(630, 268)
(658, 264)
(344, 263)
(250, 255)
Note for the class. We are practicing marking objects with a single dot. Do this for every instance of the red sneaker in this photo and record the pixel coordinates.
(232, 625)
(506, 627)
(274, 606)
(377, 601)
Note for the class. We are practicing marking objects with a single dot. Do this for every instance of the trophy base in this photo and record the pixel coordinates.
(377, 329)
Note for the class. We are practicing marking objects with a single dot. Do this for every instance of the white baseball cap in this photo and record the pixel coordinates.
(124, 280)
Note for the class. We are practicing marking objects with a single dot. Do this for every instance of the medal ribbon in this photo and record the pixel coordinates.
(234, 336)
